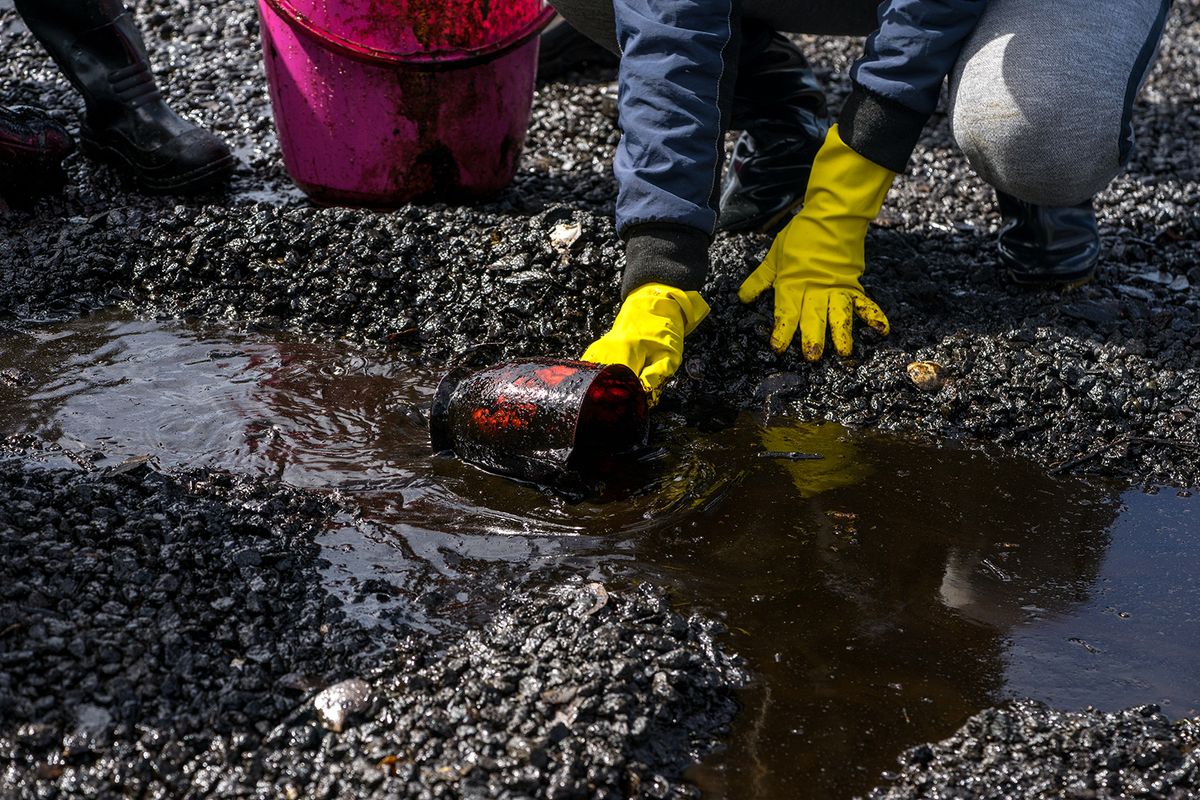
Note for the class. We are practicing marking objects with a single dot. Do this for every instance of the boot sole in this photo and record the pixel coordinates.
(203, 177)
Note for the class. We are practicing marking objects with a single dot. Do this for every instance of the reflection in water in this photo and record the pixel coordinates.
(881, 594)
(883, 607)
(840, 463)
(1140, 627)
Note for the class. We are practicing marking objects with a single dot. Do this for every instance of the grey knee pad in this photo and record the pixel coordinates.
(1042, 93)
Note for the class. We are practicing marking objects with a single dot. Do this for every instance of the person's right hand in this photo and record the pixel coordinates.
(647, 335)
(815, 262)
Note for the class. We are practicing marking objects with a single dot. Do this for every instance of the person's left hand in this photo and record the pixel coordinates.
(815, 262)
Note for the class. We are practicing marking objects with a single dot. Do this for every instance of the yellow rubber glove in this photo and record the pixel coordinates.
(816, 261)
(647, 335)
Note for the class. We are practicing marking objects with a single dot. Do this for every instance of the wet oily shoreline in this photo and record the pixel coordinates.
(176, 617)
(879, 595)
(1097, 381)
(161, 694)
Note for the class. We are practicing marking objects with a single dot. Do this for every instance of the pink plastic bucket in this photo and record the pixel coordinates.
(381, 102)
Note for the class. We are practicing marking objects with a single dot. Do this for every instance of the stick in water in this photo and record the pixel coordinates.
(790, 455)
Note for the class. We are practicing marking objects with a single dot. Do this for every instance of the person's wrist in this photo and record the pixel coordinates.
(666, 253)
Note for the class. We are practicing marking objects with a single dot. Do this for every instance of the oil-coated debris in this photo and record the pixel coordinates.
(118, 593)
(142, 654)
(928, 376)
(342, 701)
(1029, 750)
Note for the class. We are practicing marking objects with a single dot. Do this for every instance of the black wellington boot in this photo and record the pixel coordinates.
(1047, 246)
(32, 148)
(780, 109)
(98, 48)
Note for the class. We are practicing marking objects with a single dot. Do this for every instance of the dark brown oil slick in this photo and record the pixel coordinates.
(880, 594)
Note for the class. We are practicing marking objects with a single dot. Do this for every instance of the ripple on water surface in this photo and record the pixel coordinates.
(881, 594)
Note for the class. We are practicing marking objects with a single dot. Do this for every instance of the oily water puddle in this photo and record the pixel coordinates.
(880, 595)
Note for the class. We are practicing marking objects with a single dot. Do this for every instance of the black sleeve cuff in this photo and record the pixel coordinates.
(663, 252)
(879, 129)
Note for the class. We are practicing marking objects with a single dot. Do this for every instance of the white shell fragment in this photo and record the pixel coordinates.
(601, 598)
(565, 234)
(341, 701)
(1161, 277)
(1176, 283)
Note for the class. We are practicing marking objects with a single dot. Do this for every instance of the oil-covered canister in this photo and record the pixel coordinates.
(538, 420)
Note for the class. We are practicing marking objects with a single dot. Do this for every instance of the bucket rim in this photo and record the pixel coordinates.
(431, 59)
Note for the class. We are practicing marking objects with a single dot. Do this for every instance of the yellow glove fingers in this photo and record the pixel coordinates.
(815, 263)
(812, 324)
(871, 314)
(760, 279)
(659, 367)
(647, 335)
(694, 310)
(841, 322)
(787, 316)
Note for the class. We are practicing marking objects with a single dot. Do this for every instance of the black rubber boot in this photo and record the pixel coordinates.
(1046, 246)
(98, 48)
(562, 48)
(780, 109)
(32, 148)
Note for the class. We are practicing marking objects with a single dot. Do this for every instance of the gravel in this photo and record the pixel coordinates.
(570, 697)
(169, 635)
(145, 651)
(1028, 750)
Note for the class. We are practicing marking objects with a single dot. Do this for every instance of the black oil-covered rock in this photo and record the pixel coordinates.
(138, 634)
(586, 692)
(167, 635)
(95, 688)
(1026, 749)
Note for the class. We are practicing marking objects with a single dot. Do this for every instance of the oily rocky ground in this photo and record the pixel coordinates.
(188, 659)
(1030, 750)
(168, 636)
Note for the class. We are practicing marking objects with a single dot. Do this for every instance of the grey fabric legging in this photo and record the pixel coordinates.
(1040, 99)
